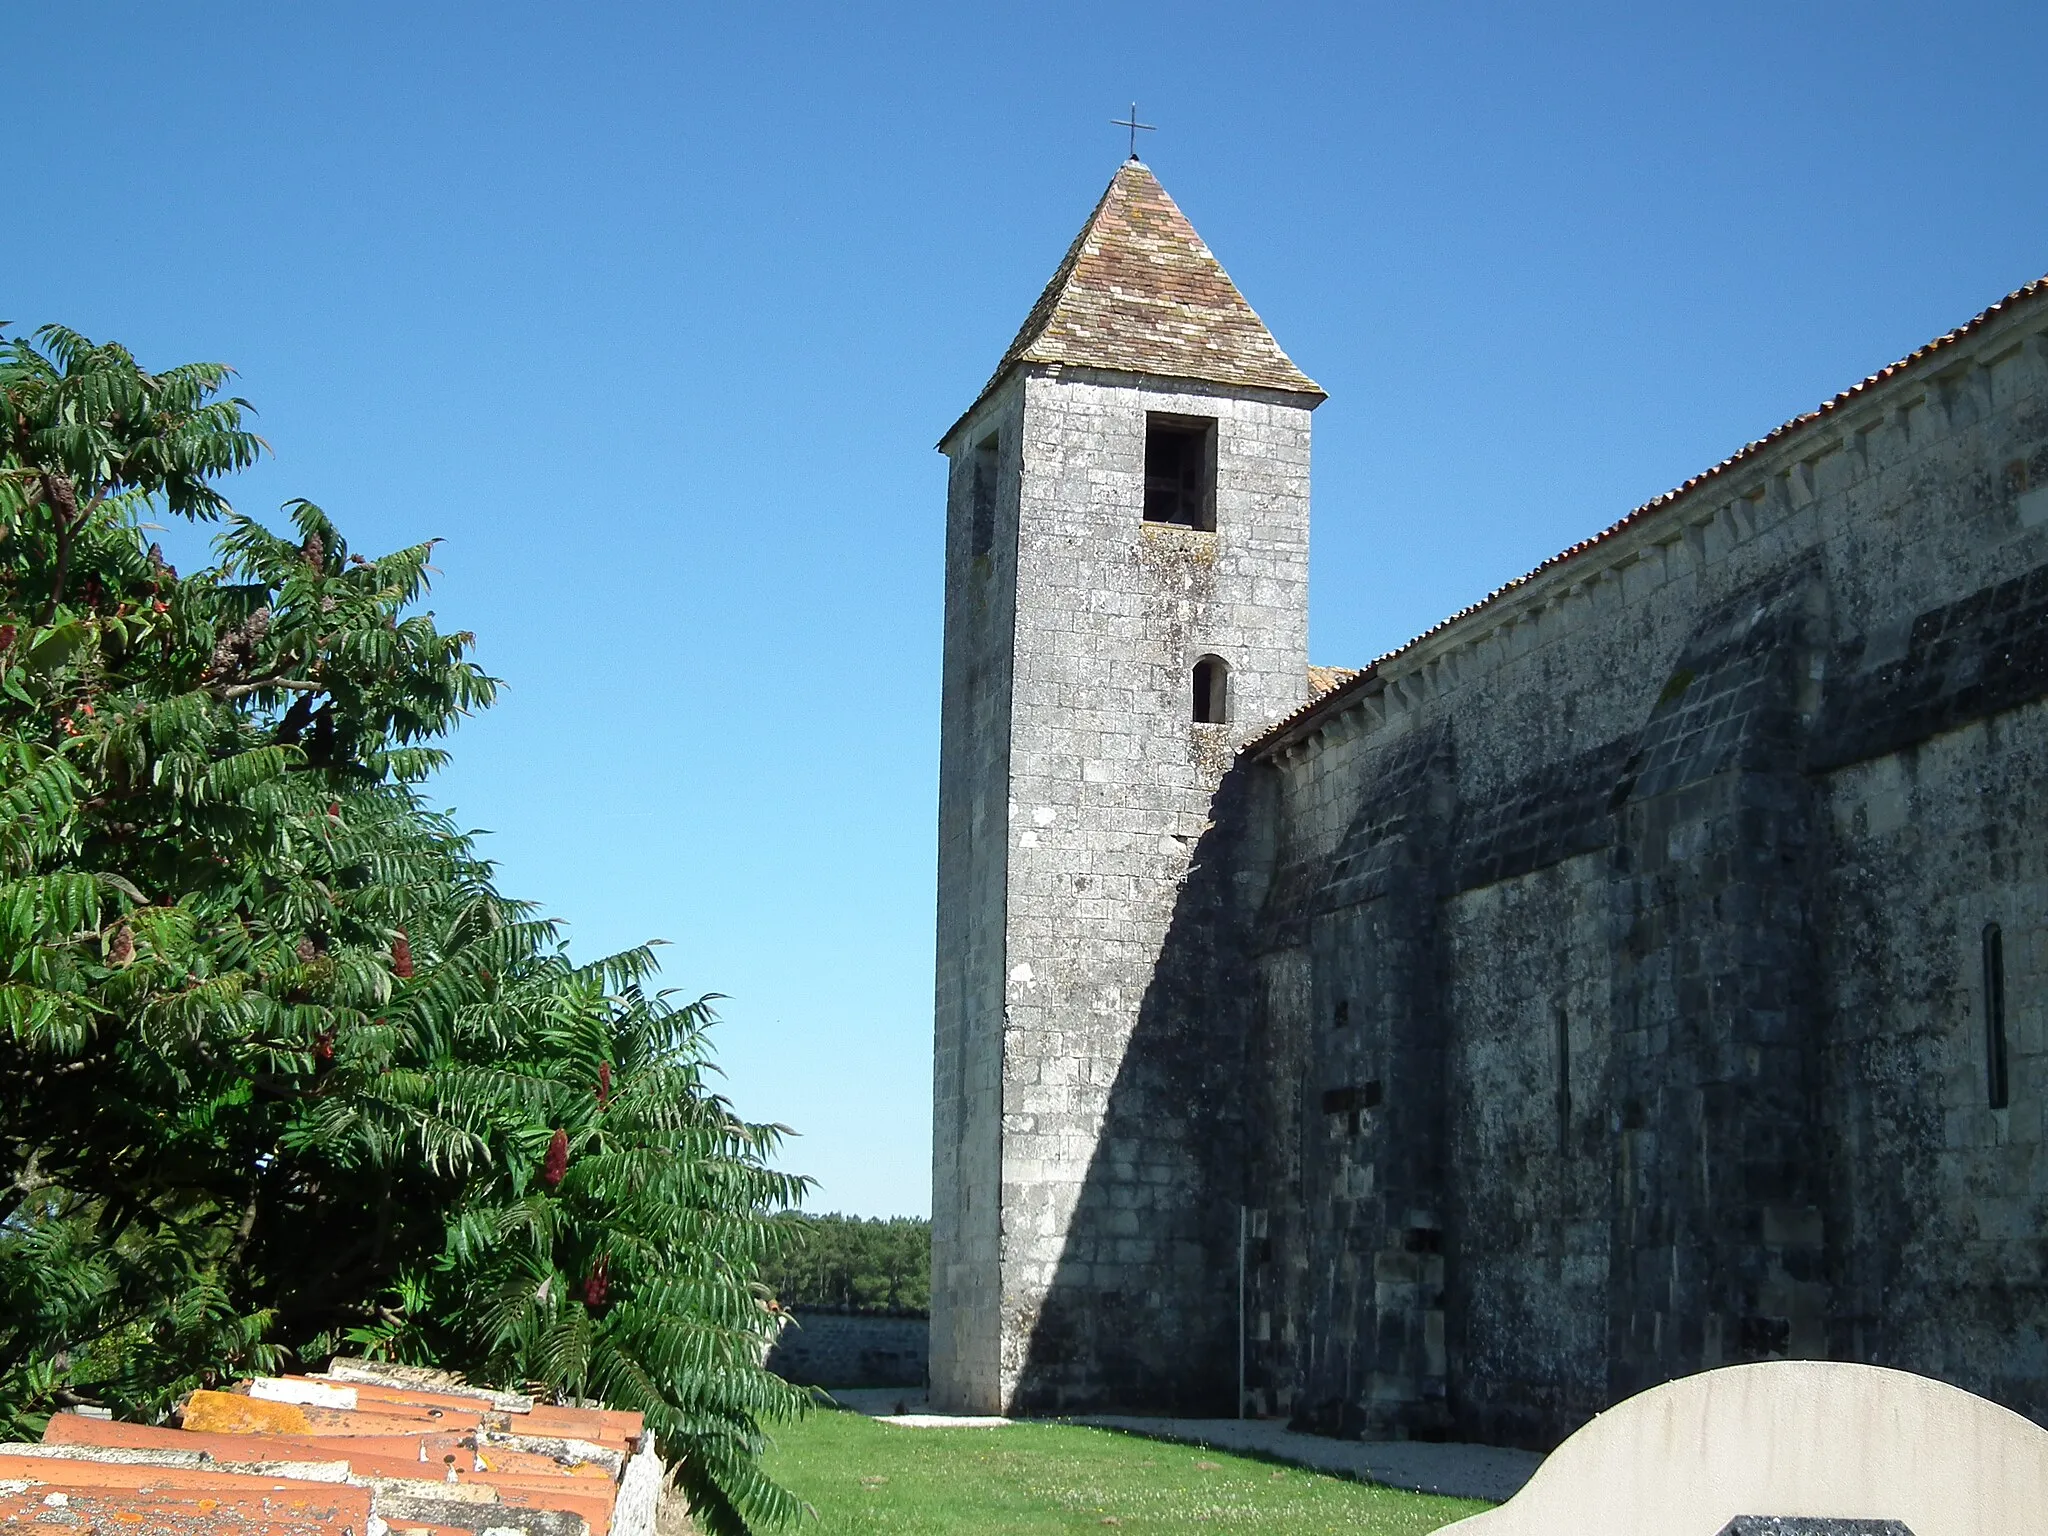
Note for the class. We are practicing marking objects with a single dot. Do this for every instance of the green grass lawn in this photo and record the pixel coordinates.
(866, 1478)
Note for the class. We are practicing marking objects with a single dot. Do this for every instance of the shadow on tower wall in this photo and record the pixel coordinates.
(1142, 1311)
(1297, 1075)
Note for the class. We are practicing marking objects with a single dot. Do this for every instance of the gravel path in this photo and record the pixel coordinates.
(1463, 1471)
(1421, 1466)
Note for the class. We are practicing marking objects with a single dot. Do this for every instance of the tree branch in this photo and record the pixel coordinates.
(233, 691)
(28, 1181)
(63, 500)
(247, 1225)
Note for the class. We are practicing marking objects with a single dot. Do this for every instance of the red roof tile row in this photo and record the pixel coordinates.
(1325, 703)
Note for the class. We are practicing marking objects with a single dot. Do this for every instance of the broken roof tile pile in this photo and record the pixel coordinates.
(361, 1450)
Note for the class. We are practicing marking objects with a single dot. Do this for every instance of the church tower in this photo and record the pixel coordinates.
(1126, 603)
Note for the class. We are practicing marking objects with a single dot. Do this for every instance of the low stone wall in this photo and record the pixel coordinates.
(838, 1349)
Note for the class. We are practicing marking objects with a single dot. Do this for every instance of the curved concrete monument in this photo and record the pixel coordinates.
(1789, 1448)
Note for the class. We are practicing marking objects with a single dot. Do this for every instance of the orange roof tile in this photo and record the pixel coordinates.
(230, 1414)
(178, 1513)
(602, 1425)
(368, 1455)
(1322, 679)
(110, 1498)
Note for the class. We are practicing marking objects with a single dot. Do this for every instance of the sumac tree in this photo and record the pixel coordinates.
(281, 1071)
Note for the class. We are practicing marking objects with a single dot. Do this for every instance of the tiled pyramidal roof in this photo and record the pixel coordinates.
(362, 1450)
(1139, 292)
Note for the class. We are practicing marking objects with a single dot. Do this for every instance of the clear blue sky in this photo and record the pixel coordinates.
(653, 312)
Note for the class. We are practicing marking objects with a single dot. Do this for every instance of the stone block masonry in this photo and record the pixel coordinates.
(1126, 603)
(1640, 973)
(1666, 977)
(848, 1349)
(974, 767)
(1107, 786)
(1112, 786)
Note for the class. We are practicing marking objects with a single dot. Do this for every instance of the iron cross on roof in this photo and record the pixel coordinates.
(1135, 126)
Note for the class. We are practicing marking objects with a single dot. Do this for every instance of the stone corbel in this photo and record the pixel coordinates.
(1981, 390)
(1605, 591)
(1696, 535)
(1856, 447)
(1677, 552)
(1745, 514)
(1898, 422)
(1800, 484)
(1940, 389)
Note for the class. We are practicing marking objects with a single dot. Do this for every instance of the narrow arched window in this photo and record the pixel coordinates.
(1996, 1082)
(982, 537)
(1212, 691)
(1564, 1082)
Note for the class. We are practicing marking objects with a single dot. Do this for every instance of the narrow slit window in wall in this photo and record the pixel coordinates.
(982, 535)
(1996, 1081)
(1340, 1016)
(1180, 471)
(1212, 691)
(1564, 1082)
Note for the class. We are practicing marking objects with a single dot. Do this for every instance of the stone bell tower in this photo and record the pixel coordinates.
(1126, 603)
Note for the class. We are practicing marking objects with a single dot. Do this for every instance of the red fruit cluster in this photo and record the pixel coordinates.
(323, 1048)
(401, 957)
(556, 1163)
(604, 1084)
(599, 1285)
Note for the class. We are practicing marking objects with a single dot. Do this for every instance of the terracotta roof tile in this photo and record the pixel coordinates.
(368, 1455)
(385, 1377)
(101, 1497)
(176, 1512)
(1138, 292)
(1322, 679)
(1320, 704)
(236, 1413)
